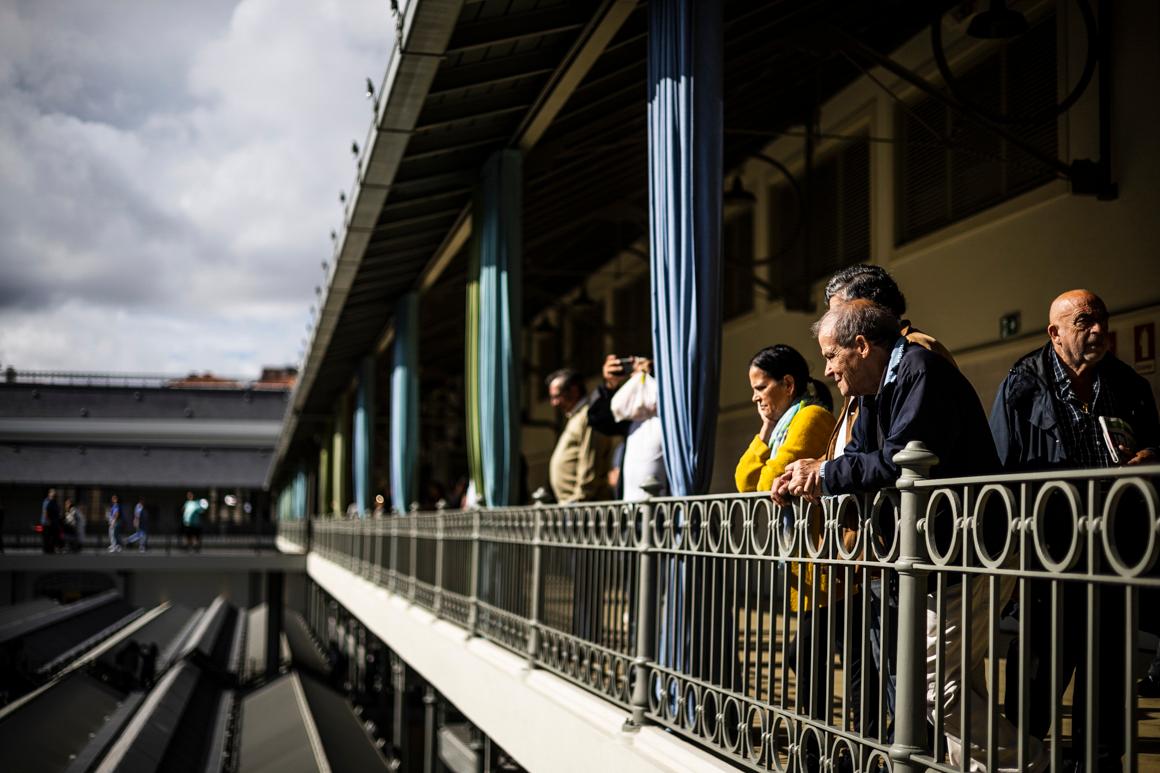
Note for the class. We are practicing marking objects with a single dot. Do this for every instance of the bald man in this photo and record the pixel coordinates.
(1046, 416)
(1046, 413)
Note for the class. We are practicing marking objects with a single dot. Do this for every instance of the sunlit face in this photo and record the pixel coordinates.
(772, 396)
(1079, 332)
(847, 366)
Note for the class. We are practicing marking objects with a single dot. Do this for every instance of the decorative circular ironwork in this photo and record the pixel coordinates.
(840, 748)
(623, 678)
(736, 525)
(1113, 510)
(710, 715)
(813, 521)
(779, 753)
(589, 535)
(715, 525)
(933, 526)
(660, 524)
(606, 526)
(696, 526)
(1041, 523)
(672, 698)
(761, 518)
(884, 526)
(847, 509)
(654, 693)
(731, 726)
(755, 732)
(691, 707)
(987, 494)
(809, 740)
(786, 528)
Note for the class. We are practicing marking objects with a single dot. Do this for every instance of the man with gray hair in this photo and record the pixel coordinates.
(916, 395)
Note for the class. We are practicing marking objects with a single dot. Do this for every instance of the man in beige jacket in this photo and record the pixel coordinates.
(578, 470)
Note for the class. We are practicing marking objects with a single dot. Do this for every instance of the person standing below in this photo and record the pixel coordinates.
(578, 469)
(191, 522)
(50, 522)
(1046, 416)
(73, 527)
(140, 533)
(918, 396)
(113, 516)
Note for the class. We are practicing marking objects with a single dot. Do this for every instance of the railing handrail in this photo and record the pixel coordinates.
(645, 535)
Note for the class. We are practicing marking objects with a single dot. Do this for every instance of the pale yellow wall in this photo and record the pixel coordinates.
(960, 280)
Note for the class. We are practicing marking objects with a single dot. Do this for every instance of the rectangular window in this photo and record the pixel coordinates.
(586, 333)
(950, 168)
(838, 229)
(737, 276)
(632, 319)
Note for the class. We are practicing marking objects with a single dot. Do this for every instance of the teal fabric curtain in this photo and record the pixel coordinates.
(498, 233)
(685, 182)
(299, 496)
(405, 404)
(363, 443)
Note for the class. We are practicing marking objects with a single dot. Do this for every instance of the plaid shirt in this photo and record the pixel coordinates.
(1079, 426)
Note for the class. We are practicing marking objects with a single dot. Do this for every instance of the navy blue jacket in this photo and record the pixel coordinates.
(1024, 416)
(928, 400)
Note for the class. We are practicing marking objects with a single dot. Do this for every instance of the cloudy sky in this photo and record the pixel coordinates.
(169, 175)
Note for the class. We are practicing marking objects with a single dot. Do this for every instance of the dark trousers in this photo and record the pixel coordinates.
(1069, 638)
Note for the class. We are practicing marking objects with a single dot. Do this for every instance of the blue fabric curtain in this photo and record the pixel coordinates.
(498, 234)
(364, 433)
(405, 404)
(685, 181)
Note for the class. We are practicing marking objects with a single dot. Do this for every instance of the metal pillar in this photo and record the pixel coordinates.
(910, 710)
(645, 613)
(274, 604)
(429, 739)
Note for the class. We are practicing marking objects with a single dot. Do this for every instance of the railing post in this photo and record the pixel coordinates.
(534, 612)
(413, 569)
(910, 707)
(473, 610)
(645, 608)
(393, 553)
(438, 603)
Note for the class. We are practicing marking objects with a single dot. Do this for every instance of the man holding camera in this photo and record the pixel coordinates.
(626, 405)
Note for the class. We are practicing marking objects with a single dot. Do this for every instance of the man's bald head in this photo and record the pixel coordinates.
(1078, 328)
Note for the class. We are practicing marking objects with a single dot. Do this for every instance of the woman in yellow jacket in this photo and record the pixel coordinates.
(796, 423)
(796, 417)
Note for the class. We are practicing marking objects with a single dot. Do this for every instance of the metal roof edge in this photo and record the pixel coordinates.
(428, 25)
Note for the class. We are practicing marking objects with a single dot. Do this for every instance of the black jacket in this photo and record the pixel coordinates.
(1024, 416)
(600, 416)
(928, 400)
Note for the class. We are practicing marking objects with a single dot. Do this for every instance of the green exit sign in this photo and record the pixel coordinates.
(1009, 325)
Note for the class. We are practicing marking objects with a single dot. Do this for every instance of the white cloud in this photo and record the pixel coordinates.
(169, 174)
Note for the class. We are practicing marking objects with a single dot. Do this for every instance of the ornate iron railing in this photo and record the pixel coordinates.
(830, 635)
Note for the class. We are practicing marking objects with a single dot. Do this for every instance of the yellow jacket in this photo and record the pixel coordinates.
(807, 438)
